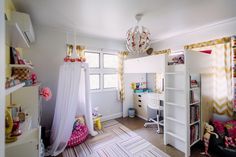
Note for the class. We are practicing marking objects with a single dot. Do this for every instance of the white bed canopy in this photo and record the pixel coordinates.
(73, 99)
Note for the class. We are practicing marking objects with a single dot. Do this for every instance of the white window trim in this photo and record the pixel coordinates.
(101, 70)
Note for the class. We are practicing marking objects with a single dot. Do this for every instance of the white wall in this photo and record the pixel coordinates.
(151, 82)
(222, 29)
(130, 78)
(2, 79)
(47, 55)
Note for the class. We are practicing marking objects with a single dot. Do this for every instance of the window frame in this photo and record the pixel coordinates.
(103, 71)
(106, 53)
(99, 76)
(110, 88)
(99, 58)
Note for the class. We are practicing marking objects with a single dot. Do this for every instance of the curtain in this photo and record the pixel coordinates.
(72, 99)
(222, 76)
(234, 68)
(121, 88)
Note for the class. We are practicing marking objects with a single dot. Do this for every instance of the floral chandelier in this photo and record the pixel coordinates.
(138, 37)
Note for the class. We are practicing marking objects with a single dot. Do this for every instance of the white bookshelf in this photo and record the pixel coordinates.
(175, 106)
(196, 113)
(177, 99)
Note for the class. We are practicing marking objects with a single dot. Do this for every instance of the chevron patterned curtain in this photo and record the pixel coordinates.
(222, 76)
(121, 56)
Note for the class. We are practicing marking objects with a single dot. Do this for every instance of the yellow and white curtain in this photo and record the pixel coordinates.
(121, 88)
(221, 76)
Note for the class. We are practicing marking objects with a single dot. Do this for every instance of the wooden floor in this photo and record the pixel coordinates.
(150, 134)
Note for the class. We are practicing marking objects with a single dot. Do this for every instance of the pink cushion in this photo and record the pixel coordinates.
(78, 136)
(231, 128)
(219, 126)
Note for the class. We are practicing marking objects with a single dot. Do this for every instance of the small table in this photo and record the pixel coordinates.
(97, 121)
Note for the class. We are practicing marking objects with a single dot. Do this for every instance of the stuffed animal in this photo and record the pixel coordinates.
(206, 137)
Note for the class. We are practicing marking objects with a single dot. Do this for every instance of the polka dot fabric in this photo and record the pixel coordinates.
(78, 136)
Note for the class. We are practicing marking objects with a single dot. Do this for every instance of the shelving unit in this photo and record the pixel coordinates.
(173, 104)
(177, 105)
(194, 115)
(21, 66)
(29, 142)
(14, 88)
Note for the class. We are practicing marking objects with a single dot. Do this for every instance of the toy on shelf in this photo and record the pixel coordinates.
(16, 127)
(139, 87)
(9, 127)
(10, 82)
(34, 78)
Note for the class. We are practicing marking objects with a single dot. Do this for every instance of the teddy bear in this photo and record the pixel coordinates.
(206, 137)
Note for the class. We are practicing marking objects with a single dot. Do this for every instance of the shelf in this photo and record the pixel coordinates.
(194, 103)
(25, 128)
(173, 104)
(21, 66)
(194, 88)
(14, 88)
(14, 36)
(175, 89)
(198, 121)
(195, 142)
(176, 136)
(175, 73)
(175, 120)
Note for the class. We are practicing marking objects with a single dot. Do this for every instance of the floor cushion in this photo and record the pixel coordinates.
(79, 133)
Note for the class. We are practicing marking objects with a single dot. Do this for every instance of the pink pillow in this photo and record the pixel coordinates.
(78, 136)
(219, 126)
(231, 128)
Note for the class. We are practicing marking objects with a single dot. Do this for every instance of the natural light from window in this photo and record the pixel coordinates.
(94, 81)
(110, 61)
(92, 59)
(110, 81)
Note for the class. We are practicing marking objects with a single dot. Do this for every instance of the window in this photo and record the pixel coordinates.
(110, 81)
(94, 81)
(93, 59)
(103, 70)
(110, 61)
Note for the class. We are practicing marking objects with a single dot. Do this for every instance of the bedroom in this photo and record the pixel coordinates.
(45, 36)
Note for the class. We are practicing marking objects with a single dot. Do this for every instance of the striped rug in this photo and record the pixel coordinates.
(115, 140)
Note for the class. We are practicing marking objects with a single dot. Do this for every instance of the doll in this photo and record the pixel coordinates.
(206, 137)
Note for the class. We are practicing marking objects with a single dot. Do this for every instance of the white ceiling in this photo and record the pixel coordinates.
(112, 18)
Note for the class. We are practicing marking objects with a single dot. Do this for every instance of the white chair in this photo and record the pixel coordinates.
(154, 104)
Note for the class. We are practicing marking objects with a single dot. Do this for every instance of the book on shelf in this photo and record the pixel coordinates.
(193, 83)
(194, 113)
(192, 97)
(194, 133)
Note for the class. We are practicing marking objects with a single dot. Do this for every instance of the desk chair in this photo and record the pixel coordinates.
(154, 104)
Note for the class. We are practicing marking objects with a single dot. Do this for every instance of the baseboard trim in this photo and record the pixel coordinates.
(144, 118)
(110, 117)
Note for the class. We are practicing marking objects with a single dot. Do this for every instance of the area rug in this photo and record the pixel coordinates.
(115, 140)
